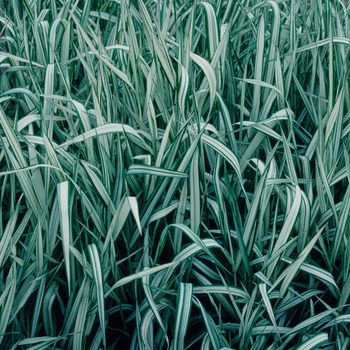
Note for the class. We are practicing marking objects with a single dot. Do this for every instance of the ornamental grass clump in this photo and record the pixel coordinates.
(174, 174)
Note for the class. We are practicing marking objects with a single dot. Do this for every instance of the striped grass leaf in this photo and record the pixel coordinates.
(322, 42)
(195, 200)
(148, 185)
(163, 212)
(262, 277)
(118, 221)
(101, 130)
(183, 312)
(149, 106)
(107, 62)
(165, 143)
(209, 73)
(135, 212)
(65, 51)
(147, 285)
(49, 317)
(95, 345)
(29, 119)
(226, 153)
(151, 205)
(314, 342)
(220, 211)
(258, 71)
(279, 78)
(194, 237)
(267, 196)
(63, 194)
(345, 288)
(140, 274)
(306, 324)
(206, 270)
(81, 258)
(104, 140)
(304, 221)
(334, 116)
(56, 31)
(268, 330)
(85, 121)
(326, 192)
(11, 140)
(266, 300)
(274, 119)
(248, 233)
(88, 71)
(291, 165)
(37, 178)
(263, 128)
(180, 216)
(183, 90)
(274, 38)
(75, 315)
(22, 224)
(218, 289)
(187, 252)
(211, 328)
(261, 84)
(31, 99)
(26, 184)
(78, 336)
(157, 44)
(287, 226)
(7, 237)
(50, 151)
(135, 169)
(43, 341)
(99, 186)
(220, 55)
(38, 307)
(201, 278)
(338, 320)
(147, 329)
(227, 121)
(98, 278)
(251, 149)
(293, 269)
(181, 168)
(321, 274)
(233, 302)
(7, 299)
(249, 316)
(292, 302)
(92, 210)
(49, 90)
(212, 28)
(23, 295)
(41, 33)
(341, 226)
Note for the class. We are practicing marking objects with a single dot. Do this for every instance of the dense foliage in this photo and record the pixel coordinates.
(174, 174)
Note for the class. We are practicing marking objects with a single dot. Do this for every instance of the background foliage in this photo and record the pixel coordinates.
(174, 174)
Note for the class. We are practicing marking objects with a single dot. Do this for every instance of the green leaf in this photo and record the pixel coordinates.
(209, 73)
(183, 312)
(314, 342)
(136, 169)
(97, 272)
(266, 300)
(101, 130)
(65, 221)
(135, 211)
